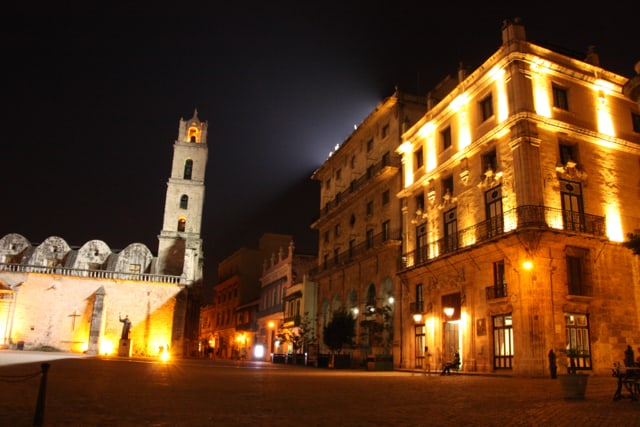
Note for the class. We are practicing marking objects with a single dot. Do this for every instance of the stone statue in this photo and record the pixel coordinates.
(126, 327)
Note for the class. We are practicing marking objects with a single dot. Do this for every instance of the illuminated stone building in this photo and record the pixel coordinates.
(228, 326)
(72, 299)
(520, 184)
(287, 303)
(359, 227)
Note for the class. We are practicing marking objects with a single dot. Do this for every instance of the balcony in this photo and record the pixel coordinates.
(388, 165)
(519, 219)
(354, 252)
(416, 307)
(495, 292)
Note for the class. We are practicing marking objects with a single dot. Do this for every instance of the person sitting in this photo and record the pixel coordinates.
(629, 357)
(454, 364)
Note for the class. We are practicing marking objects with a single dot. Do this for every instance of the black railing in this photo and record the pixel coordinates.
(416, 307)
(372, 172)
(520, 218)
(494, 292)
(348, 256)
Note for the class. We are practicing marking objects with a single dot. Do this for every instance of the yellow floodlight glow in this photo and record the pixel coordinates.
(459, 102)
(540, 83)
(406, 147)
(164, 354)
(605, 123)
(503, 103)
(464, 137)
(527, 264)
(614, 227)
(106, 347)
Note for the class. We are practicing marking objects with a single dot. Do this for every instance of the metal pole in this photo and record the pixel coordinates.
(38, 418)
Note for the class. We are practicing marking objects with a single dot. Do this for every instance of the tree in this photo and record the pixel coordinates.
(633, 243)
(377, 325)
(300, 337)
(340, 331)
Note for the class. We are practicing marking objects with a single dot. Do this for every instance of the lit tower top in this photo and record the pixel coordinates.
(180, 243)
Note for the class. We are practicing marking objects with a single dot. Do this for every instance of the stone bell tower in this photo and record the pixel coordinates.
(180, 243)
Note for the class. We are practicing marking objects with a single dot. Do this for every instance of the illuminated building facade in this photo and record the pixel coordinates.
(72, 299)
(359, 228)
(519, 186)
(287, 305)
(229, 325)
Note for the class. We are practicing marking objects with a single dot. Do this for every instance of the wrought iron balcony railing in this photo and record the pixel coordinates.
(391, 161)
(520, 218)
(348, 256)
(495, 292)
(416, 307)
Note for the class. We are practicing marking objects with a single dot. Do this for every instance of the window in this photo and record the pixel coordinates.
(369, 208)
(578, 277)
(352, 245)
(369, 145)
(134, 268)
(370, 171)
(326, 261)
(371, 298)
(499, 283)
(188, 169)
(385, 197)
(353, 162)
(578, 342)
(184, 201)
(385, 131)
(490, 161)
(560, 98)
(336, 230)
(386, 159)
(326, 236)
(182, 223)
(420, 204)
(446, 137)
(493, 211)
(327, 184)
(568, 153)
(418, 158)
(635, 120)
(336, 256)
(572, 211)
(447, 185)
(421, 244)
(486, 107)
(502, 341)
(450, 231)
(338, 174)
(386, 230)
(369, 238)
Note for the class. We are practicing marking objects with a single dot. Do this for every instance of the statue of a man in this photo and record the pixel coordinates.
(126, 326)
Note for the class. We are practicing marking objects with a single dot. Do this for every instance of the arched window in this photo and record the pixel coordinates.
(184, 201)
(371, 298)
(188, 168)
(182, 223)
(193, 134)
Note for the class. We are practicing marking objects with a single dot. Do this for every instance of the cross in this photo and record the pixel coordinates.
(73, 320)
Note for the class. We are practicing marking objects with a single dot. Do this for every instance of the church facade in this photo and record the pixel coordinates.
(97, 300)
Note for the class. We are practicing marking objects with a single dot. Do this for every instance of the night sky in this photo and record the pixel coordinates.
(91, 100)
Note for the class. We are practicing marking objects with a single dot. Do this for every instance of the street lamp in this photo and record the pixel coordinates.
(448, 311)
